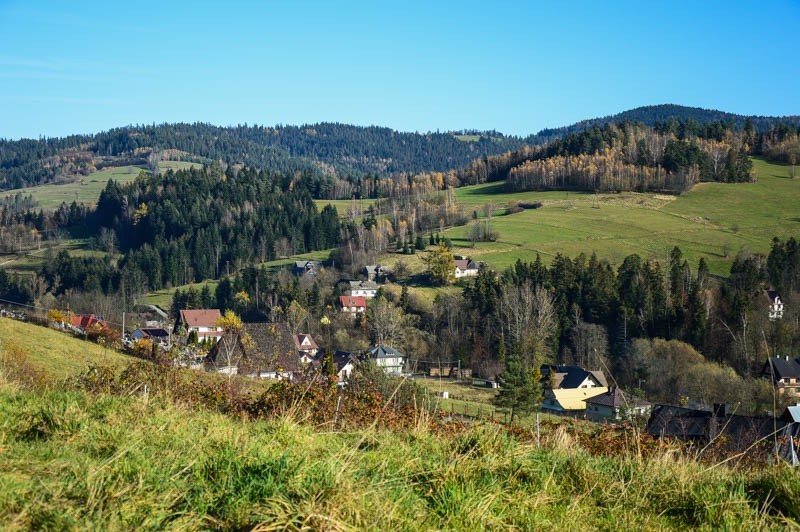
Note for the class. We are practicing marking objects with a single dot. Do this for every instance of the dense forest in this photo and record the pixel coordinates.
(344, 160)
(325, 150)
(651, 115)
(184, 226)
(670, 156)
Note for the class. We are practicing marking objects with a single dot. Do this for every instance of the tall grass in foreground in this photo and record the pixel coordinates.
(70, 459)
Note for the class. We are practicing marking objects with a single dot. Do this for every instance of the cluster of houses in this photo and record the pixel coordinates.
(574, 391)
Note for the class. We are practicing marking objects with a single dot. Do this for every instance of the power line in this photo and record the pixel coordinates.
(17, 303)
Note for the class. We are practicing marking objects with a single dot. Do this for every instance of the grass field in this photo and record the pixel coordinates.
(57, 354)
(706, 222)
(74, 461)
(87, 190)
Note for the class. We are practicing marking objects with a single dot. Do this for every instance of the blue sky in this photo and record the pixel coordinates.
(517, 67)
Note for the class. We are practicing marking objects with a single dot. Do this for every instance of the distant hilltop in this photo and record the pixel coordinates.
(326, 149)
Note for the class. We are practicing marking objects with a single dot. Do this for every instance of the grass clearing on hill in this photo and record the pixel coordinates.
(87, 189)
(714, 220)
(59, 355)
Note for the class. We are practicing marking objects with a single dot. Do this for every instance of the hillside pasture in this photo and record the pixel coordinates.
(87, 189)
(57, 354)
(713, 220)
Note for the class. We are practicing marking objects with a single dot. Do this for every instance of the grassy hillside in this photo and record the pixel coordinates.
(57, 354)
(710, 220)
(76, 461)
(87, 190)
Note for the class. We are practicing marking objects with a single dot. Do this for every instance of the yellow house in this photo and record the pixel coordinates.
(570, 401)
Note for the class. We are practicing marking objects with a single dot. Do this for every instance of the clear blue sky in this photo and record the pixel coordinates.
(81, 67)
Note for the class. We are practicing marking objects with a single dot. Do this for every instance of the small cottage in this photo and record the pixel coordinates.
(616, 405)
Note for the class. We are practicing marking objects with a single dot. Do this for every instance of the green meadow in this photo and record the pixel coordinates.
(87, 189)
(56, 354)
(714, 220)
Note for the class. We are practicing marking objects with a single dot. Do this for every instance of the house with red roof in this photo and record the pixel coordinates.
(353, 304)
(306, 347)
(87, 322)
(202, 321)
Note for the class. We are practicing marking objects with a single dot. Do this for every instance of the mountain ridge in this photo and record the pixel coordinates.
(324, 148)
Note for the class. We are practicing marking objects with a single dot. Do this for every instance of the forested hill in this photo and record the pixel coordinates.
(326, 149)
(652, 115)
(339, 153)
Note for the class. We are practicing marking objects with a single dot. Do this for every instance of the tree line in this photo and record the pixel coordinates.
(333, 153)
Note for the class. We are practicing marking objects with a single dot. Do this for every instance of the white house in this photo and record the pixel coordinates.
(390, 360)
(307, 348)
(368, 289)
(202, 321)
(353, 304)
(775, 305)
(466, 268)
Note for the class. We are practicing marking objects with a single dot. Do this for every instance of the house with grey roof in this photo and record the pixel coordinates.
(375, 272)
(303, 267)
(265, 350)
(367, 289)
(466, 268)
(784, 373)
(616, 405)
(389, 359)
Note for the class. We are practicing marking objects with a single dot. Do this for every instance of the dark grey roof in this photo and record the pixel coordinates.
(271, 348)
(380, 351)
(792, 414)
(568, 377)
(772, 295)
(363, 285)
(703, 425)
(617, 398)
(154, 332)
(341, 358)
(782, 368)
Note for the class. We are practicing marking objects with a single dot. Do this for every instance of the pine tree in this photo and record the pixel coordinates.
(519, 387)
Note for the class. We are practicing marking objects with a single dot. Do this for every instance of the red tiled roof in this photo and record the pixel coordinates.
(87, 321)
(205, 317)
(353, 301)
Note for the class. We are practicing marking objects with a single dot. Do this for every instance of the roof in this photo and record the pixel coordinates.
(363, 285)
(566, 377)
(203, 317)
(615, 398)
(307, 265)
(466, 264)
(574, 398)
(782, 368)
(791, 414)
(270, 348)
(88, 321)
(352, 301)
(694, 424)
(380, 351)
(342, 358)
(772, 295)
(153, 332)
(300, 338)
